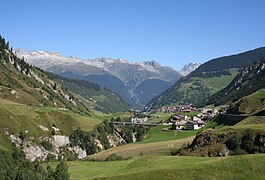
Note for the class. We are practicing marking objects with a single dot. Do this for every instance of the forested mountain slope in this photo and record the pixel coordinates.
(248, 81)
(206, 80)
(94, 96)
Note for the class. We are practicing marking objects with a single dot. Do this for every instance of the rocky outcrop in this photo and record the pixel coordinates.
(59, 141)
(232, 142)
(188, 68)
(78, 151)
(34, 152)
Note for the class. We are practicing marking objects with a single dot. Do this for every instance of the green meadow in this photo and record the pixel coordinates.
(242, 167)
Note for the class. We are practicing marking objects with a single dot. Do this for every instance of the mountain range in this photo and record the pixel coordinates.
(137, 83)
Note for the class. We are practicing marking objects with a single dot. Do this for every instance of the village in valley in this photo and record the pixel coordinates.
(185, 117)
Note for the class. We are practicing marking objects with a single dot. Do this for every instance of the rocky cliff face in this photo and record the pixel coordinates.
(76, 146)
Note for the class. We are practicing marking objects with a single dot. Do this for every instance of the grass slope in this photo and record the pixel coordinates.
(137, 149)
(252, 122)
(16, 118)
(172, 167)
(156, 134)
(251, 104)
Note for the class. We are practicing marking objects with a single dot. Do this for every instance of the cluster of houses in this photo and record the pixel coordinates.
(180, 122)
(175, 109)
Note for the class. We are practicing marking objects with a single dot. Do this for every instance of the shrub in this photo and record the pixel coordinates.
(61, 171)
(248, 141)
(233, 143)
(47, 145)
(114, 157)
(247, 145)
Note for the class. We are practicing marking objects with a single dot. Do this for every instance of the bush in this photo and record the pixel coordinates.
(114, 157)
(247, 145)
(248, 141)
(233, 143)
(47, 145)
(61, 171)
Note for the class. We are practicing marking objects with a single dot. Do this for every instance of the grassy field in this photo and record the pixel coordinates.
(137, 149)
(159, 117)
(253, 103)
(217, 83)
(252, 122)
(156, 134)
(172, 167)
(213, 83)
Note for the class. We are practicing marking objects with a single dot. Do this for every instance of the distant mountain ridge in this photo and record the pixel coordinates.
(188, 68)
(119, 75)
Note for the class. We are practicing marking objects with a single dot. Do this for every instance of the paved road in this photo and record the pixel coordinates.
(132, 124)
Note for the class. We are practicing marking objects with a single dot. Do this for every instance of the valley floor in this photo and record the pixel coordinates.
(172, 167)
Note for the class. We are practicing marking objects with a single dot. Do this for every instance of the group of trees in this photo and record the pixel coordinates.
(3, 43)
(84, 140)
(16, 166)
(24, 67)
(250, 142)
(210, 74)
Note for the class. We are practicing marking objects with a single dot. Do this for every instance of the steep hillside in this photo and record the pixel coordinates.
(206, 80)
(234, 61)
(118, 75)
(150, 88)
(248, 81)
(251, 104)
(22, 83)
(94, 96)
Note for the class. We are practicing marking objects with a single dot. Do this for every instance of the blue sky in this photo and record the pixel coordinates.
(171, 32)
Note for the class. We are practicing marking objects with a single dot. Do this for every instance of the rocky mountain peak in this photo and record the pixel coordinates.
(188, 68)
(152, 63)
